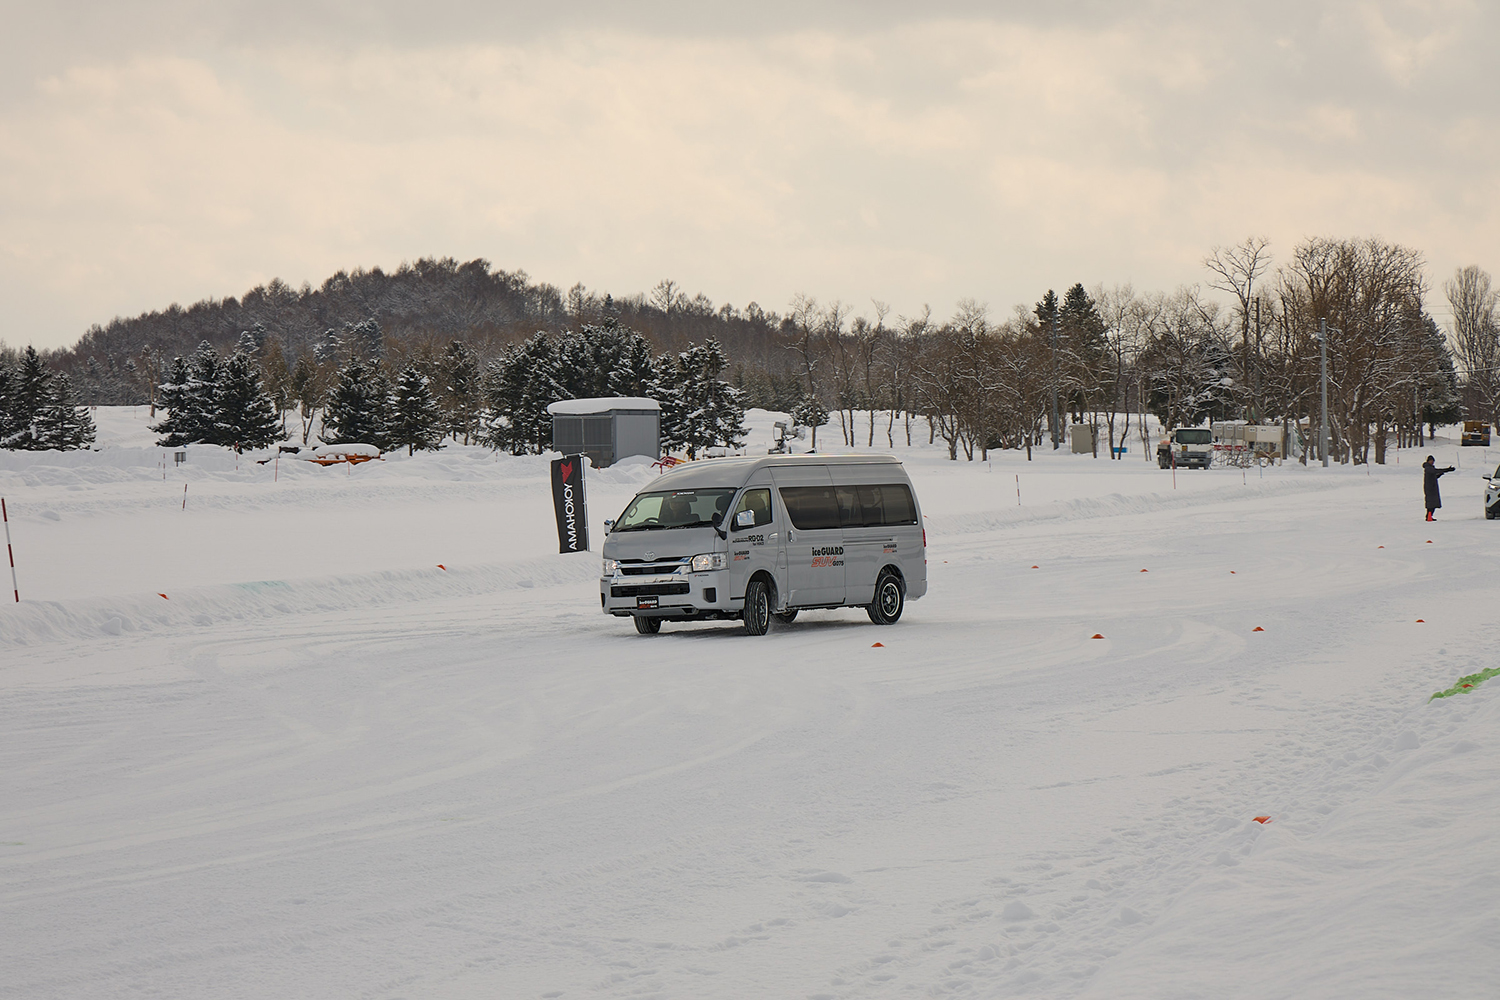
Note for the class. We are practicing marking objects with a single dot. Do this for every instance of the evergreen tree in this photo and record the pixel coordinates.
(330, 349)
(201, 399)
(520, 385)
(356, 407)
(1082, 344)
(175, 427)
(365, 339)
(37, 408)
(1046, 312)
(245, 416)
(1438, 386)
(415, 420)
(462, 395)
(9, 408)
(632, 372)
(709, 413)
(666, 389)
(252, 341)
(190, 397)
(61, 423)
(810, 412)
(30, 391)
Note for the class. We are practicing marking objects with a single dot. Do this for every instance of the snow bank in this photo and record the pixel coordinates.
(270, 601)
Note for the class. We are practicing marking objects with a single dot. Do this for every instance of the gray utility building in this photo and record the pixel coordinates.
(607, 429)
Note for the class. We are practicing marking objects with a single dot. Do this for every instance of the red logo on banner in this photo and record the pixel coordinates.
(567, 470)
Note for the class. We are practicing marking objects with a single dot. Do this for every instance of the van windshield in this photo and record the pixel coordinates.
(1191, 436)
(675, 509)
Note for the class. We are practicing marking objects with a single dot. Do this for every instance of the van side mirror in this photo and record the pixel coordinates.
(745, 519)
(608, 526)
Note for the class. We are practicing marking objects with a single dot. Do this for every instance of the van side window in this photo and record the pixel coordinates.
(757, 502)
(811, 507)
(897, 506)
(875, 506)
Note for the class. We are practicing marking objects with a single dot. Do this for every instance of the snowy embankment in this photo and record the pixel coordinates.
(323, 765)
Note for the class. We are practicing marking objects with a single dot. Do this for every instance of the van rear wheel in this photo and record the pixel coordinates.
(647, 625)
(890, 600)
(757, 608)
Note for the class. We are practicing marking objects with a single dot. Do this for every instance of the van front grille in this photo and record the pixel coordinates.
(650, 589)
(656, 567)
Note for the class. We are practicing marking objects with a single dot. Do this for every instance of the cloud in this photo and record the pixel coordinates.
(912, 160)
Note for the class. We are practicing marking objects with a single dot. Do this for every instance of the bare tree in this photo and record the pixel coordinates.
(1123, 338)
(867, 344)
(1477, 334)
(1235, 271)
(666, 296)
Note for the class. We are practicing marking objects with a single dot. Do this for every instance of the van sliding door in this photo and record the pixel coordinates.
(814, 540)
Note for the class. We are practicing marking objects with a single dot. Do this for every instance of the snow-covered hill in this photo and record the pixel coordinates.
(377, 740)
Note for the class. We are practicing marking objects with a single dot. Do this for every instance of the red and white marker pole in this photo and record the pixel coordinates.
(5, 516)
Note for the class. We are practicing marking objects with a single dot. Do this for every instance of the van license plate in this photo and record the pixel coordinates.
(645, 602)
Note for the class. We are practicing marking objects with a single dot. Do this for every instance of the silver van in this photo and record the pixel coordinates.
(753, 538)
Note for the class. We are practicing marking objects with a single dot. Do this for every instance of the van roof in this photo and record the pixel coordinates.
(734, 471)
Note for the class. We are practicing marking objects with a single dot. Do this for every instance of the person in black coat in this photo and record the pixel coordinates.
(1430, 474)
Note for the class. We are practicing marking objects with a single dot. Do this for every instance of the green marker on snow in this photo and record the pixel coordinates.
(1468, 683)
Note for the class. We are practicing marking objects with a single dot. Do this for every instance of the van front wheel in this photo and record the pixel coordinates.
(757, 608)
(889, 601)
(647, 625)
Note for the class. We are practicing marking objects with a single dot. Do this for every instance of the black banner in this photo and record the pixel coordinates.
(567, 501)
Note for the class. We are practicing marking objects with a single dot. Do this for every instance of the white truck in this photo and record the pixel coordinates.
(1186, 447)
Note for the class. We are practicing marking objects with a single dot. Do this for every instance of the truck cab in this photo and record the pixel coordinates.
(1189, 447)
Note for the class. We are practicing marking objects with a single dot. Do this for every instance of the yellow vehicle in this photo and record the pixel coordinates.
(1476, 434)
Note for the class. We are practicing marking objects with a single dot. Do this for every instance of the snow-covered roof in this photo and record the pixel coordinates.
(603, 404)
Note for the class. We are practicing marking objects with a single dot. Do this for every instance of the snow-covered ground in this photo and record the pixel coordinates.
(323, 766)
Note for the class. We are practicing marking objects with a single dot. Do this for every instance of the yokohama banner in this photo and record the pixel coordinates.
(567, 501)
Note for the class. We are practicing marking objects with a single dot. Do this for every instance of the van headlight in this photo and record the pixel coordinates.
(709, 561)
(611, 567)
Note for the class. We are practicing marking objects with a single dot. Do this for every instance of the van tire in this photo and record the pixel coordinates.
(790, 615)
(647, 624)
(890, 600)
(757, 608)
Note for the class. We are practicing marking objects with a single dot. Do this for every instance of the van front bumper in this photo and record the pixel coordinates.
(678, 595)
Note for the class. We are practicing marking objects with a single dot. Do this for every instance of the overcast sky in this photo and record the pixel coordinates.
(164, 151)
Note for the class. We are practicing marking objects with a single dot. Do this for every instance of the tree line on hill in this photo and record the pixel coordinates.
(495, 348)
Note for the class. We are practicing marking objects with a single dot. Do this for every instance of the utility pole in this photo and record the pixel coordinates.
(1323, 330)
(1055, 311)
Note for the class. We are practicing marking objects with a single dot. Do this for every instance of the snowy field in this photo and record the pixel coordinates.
(323, 766)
